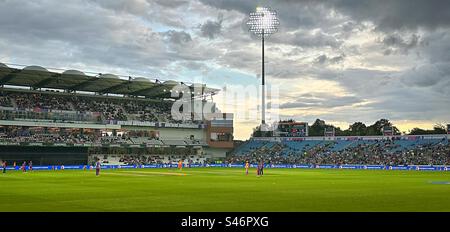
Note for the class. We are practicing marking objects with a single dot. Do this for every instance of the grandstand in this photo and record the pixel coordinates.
(291, 144)
(341, 150)
(69, 117)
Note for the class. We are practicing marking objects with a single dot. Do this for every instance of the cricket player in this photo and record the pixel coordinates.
(180, 165)
(24, 166)
(247, 166)
(261, 171)
(258, 169)
(97, 168)
(4, 164)
(30, 165)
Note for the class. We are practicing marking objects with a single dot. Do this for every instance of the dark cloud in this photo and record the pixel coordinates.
(107, 37)
(433, 74)
(177, 37)
(324, 59)
(429, 75)
(386, 15)
(437, 46)
(395, 43)
(212, 29)
(398, 14)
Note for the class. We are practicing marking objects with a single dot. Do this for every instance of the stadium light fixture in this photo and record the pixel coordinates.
(263, 23)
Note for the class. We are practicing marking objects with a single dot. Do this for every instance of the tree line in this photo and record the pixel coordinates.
(357, 129)
(361, 129)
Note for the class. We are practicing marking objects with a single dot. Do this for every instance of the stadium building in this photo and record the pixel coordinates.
(65, 118)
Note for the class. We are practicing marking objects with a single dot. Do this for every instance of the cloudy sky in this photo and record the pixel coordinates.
(341, 61)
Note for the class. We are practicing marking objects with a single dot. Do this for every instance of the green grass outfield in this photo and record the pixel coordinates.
(225, 189)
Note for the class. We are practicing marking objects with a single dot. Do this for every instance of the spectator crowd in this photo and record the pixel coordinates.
(372, 153)
(108, 107)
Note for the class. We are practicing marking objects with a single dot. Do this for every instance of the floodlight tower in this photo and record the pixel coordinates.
(263, 23)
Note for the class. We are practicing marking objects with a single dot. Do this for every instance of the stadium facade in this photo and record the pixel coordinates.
(64, 118)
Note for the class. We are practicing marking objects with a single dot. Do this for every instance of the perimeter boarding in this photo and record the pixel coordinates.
(260, 170)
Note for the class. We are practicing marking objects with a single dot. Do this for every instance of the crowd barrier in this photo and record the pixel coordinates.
(295, 166)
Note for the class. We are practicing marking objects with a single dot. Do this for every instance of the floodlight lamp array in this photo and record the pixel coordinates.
(263, 22)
